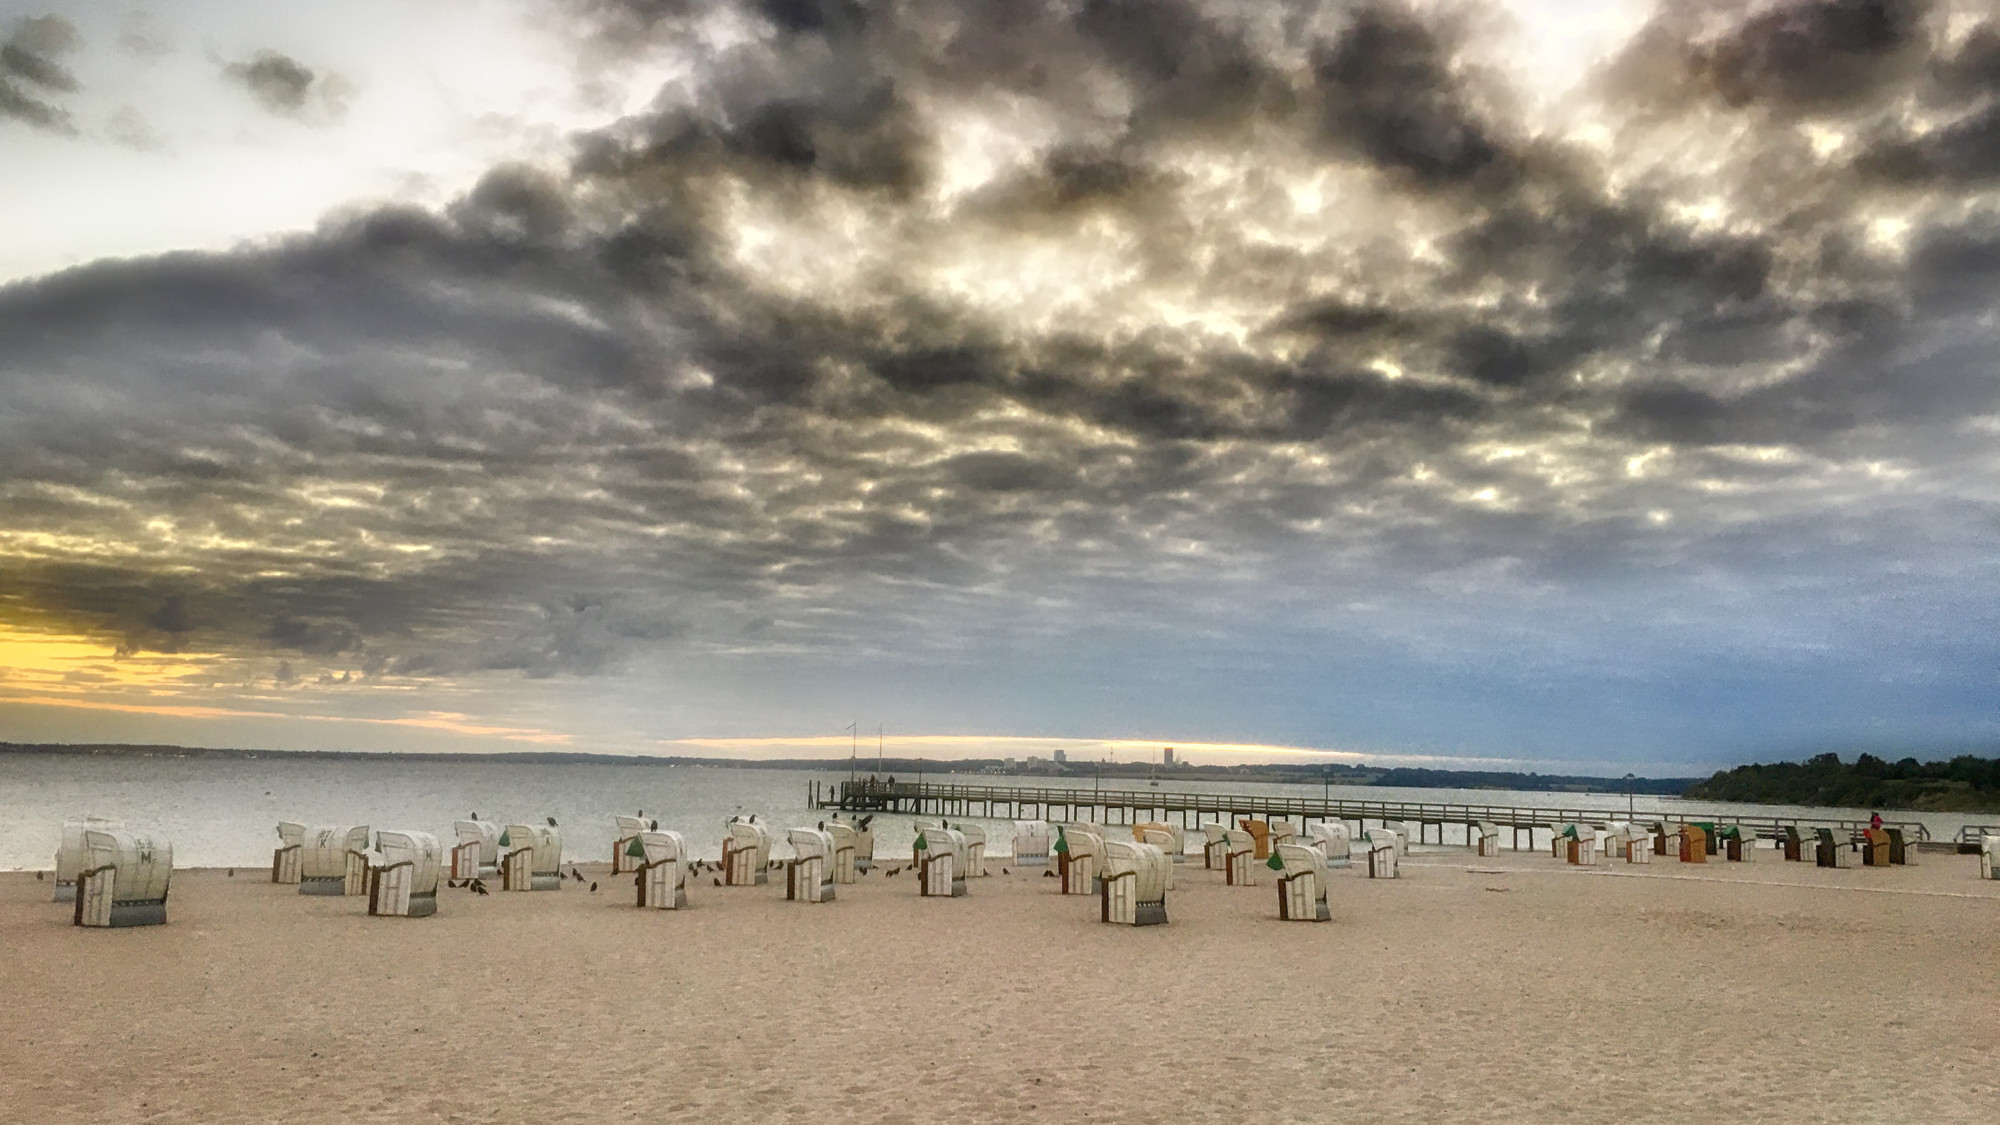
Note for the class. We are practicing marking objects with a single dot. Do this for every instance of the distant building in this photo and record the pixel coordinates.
(1061, 757)
(1168, 757)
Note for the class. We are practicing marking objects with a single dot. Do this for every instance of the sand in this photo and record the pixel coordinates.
(1469, 990)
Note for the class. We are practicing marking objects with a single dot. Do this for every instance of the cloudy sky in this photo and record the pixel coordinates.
(1568, 385)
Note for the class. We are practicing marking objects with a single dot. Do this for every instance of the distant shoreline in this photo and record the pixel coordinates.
(1270, 773)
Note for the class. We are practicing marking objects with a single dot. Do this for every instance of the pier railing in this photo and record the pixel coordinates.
(1128, 805)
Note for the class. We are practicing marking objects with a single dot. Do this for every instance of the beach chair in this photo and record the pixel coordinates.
(1739, 844)
(1485, 839)
(625, 829)
(1664, 837)
(809, 873)
(1031, 843)
(1302, 884)
(1694, 844)
(1639, 844)
(1830, 853)
(1260, 836)
(530, 858)
(1581, 849)
(1133, 889)
(1617, 840)
(1382, 853)
(1559, 843)
(940, 856)
(1176, 849)
(864, 841)
(1331, 838)
(122, 880)
(1901, 852)
(285, 859)
(662, 869)
(746, 855)
(334, 861)
(1989, 856)
(1282, 832)
(1162, 839)
(403, 879)
(1795, 848)
(1079, 849)
(974, 860)
(477, 853)
(1874, 848)
(843, 851)
(1215, 846)
(1405, 832)
(1239, 858)
(72, 852)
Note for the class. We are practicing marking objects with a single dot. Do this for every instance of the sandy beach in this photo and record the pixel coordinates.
(1468, 990)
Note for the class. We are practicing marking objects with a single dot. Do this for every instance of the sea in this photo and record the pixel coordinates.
(223, 812)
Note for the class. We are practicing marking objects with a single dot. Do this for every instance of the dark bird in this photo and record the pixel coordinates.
(593, 888)
(865, 820)
(232, 873)
(552, 822)
(479, 887)
(1004, 871)
(1048, 874)
(642, 812)
(892, 873)
(575, 874)
(822, 826)
(656, 826)
(38, 876)
(753, 818)
(474, 816)
(718, 882)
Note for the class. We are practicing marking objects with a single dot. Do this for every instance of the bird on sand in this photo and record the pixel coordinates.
(718, 882)
(1004, 871)
(1048, 874)
(552, 822)
(38, 876)
(479, 887)
(232, 873)
(575, 874)
(593, 888)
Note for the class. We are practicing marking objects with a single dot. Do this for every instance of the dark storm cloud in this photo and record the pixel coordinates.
(32, 74)
(287, 87)
(1499, 380)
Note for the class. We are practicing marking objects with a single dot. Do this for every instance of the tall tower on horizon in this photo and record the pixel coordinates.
(1167, 758)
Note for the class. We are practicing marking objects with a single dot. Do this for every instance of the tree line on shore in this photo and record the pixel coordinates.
(1962, 784)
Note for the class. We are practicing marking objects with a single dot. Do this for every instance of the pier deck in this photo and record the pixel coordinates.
(1131, 806)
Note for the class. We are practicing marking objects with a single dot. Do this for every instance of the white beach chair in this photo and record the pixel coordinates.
(863, 857)
(286, 858)
(403, 882)
(1133, 888)
(1302, 884)
(1079, 857)
(478, 851)
(1215, 846)
(1639, 844)
(975, 849)
(1281, 832)
(1162, 839)
(530, 858)
(940, 863)
(1739, 844)
(1485, 839)
(72, 851)
(1989, 856)
(1031, 843)
(334, 861)
(1176, 845)
(809, 873)
(1382, 853)
(1405, 832)
(746, 855)
(123, 879)
(1239, 858)
(625, 830)
(662, 870)
(843, 850)
(1331, 839)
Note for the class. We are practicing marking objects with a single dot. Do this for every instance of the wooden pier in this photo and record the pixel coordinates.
(1133, 806)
